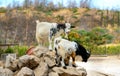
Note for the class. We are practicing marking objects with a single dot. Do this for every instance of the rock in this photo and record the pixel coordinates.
(11, 63)
(2, 63)
(70, 71)
(5, 72)
(53, 74)
(49, 58)
(40, 63)
(51, 53)
(25, 72)
(39, 51)
(28, 61)
(42, 69)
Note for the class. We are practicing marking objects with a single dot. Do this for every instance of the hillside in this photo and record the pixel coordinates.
(18, 25)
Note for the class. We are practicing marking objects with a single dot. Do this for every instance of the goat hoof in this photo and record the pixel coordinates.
(65, 67)
(50, 49)
(74, 65)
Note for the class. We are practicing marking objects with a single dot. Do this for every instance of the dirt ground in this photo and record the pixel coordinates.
(102, 66)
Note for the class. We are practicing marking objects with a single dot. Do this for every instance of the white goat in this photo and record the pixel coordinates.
(46, 31)
(66, 49)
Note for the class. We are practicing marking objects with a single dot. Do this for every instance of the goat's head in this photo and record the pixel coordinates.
(85, 58)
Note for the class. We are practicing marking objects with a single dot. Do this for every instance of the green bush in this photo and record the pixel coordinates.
(100, 36)
(20, 50)
(1, 51)
(113, 50)
(9, 50)
(98, 50)
(59, 17)
(48, 13)
(74, 10)
(75, 17)
(3, 10)
(92, 39)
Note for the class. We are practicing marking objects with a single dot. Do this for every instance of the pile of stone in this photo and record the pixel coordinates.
(40, 63)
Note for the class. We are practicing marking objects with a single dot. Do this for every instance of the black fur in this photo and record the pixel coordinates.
(61, 26)
(53, 31)
(82, 52)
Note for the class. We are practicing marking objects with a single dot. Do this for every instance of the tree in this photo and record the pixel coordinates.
(9, 7)
(36, 3)
(85, 3)
(107, 17)
(42, 5)
(15, 4)
(118, 18)
(51, 6)
(101, 17)
(72, 4)
(27, 3)
(60, 4)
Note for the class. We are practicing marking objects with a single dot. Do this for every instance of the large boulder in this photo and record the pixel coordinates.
(25, 72)
(5, 72)
(11, 63)
(28, 61)
(70, 71)
(39, 51)
(42, 69)
(45, 55)
(49, 58)
(53, 74)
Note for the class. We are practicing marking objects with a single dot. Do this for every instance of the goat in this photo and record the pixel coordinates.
(46, 32)
(66, 49)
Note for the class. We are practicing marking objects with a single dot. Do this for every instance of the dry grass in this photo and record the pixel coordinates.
(109, 45)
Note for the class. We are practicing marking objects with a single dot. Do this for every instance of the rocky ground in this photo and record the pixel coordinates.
(42, 63)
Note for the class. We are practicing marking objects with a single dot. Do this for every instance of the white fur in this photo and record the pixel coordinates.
(43, 32)
(69, 46)
(64, 47)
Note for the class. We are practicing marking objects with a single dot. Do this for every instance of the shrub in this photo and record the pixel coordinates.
(74, 10)
(48, 13)
(113, 50)
(99, 50)
(3, 10)
(20, 50)
(60, 18)
(92, 39)
(1, 51)
(100, 36)
(9, 50)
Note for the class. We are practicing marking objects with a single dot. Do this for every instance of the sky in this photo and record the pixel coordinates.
(4, 3)
(106, 4)
(100, 4)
